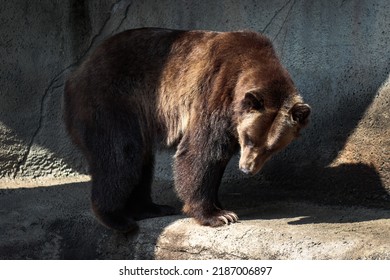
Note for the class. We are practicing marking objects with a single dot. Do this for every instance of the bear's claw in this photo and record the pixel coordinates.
(228, 217)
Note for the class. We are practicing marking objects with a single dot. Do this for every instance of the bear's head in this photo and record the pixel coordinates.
(269, 115)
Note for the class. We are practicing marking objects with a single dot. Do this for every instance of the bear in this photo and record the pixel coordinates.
(208, 94)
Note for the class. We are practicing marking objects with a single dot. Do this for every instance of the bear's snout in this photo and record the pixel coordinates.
(246, 171)
(252, 160)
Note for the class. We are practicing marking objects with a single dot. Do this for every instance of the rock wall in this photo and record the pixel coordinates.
(336, 51)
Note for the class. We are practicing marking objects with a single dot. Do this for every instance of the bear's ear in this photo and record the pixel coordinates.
(300, 113)
(252, 102)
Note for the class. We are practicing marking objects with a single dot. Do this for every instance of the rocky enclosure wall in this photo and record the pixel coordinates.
(338, 53)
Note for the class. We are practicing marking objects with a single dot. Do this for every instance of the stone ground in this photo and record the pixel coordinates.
(51, 219)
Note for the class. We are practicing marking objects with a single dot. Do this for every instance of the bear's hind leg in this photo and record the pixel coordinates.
(114, 147)
(140, 204)
(109, 195)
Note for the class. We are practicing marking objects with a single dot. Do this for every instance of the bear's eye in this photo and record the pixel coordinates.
(252, 102)
(248, 142)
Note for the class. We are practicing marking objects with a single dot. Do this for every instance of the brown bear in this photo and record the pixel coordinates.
(210, 94)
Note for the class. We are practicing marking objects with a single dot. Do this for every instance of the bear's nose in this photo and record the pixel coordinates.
(246, 170)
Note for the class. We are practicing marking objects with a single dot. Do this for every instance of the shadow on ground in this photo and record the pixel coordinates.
(348, 185)
(56, 222)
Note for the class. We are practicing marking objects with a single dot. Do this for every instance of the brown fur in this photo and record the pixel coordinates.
(209, 93)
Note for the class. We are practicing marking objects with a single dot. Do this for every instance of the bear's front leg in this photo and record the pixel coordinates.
(198, 174)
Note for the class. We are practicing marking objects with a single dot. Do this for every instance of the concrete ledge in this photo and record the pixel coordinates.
(54, 222)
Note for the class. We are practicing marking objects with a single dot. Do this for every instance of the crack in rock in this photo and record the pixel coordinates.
(275, 15)
(199, 253)
(284, 21)
(124, 16)
(40, 120)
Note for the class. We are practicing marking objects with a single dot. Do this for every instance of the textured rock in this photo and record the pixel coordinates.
(369, 143)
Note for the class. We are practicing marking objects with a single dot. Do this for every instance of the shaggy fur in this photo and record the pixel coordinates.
(208, 93)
